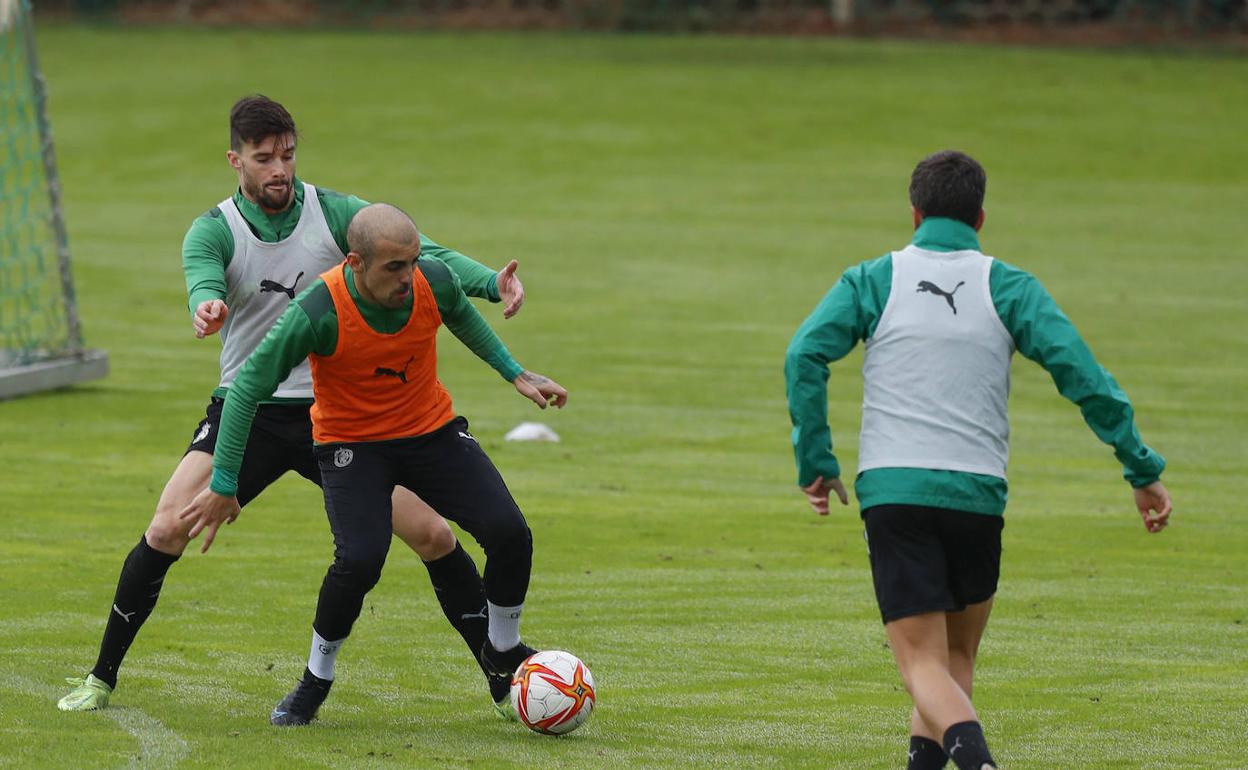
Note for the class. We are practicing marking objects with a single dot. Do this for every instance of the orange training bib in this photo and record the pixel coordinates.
(378, 386)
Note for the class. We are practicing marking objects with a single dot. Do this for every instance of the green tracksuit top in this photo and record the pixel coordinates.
(851, 312)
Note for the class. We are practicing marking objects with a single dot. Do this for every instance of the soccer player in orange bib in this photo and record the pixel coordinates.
(245, 261)
(382, 419)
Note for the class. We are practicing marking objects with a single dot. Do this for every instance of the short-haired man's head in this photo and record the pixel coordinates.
(256, 117)
(949, 184)
(378, 225)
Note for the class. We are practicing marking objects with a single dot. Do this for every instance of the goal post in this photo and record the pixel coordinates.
(40, 336)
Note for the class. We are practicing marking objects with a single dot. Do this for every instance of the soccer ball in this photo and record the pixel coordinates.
(553, 692)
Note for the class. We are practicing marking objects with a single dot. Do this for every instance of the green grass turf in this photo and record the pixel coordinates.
(678, 205)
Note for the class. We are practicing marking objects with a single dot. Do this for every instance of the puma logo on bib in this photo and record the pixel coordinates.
(399, 374)
(266, 286)
(931, 288)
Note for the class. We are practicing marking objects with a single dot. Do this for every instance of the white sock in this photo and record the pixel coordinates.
(323, 656)
(504, 626)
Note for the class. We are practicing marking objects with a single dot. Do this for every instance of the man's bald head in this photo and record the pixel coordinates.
(378, 225)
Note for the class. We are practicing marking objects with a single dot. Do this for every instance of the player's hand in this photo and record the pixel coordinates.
(817, 494)
(208, 510)
(510, 290)
(542, 391)
(1153, 503)
(210, 316)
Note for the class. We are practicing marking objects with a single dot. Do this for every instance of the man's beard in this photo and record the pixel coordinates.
(273, 199)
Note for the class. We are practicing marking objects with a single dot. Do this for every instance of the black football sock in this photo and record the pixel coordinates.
(926, 754)
(138, 588)
(966, 746)
(462, 595)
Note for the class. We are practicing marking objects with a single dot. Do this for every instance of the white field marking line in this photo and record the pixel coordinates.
(159, 746)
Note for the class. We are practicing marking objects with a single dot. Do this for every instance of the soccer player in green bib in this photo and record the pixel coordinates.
(941, 321)
(245, 260)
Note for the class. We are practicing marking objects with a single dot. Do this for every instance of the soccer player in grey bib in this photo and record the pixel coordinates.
(941, 321)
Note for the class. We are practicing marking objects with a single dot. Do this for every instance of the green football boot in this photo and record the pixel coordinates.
(88, 694)
(499, 668)
(500, 694)
(504, 710)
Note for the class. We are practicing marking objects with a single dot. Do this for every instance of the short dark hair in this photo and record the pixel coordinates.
(255, 117)
(949, 184)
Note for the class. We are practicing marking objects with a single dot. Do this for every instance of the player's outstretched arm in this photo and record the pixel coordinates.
(209, 317)
(287, 343)
(478, 280)
(1153, 503)
(1044, 334)
(209, 511)
(541, 390)
(817, 493)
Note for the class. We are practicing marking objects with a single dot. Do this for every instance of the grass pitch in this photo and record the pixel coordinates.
(678, 205)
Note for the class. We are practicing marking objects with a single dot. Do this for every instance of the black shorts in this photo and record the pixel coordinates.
(931, 559)
(280, 441)
(447, 469)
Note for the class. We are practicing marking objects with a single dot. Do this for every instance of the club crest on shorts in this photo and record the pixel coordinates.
(343, 457)
(203, 433)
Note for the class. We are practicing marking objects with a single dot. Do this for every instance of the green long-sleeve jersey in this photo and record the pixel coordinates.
(208, 246)
(310, 325)
(851, 311)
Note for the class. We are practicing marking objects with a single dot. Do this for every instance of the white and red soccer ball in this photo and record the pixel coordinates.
(552, 692)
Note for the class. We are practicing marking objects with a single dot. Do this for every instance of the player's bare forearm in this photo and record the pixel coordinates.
(541, 390)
